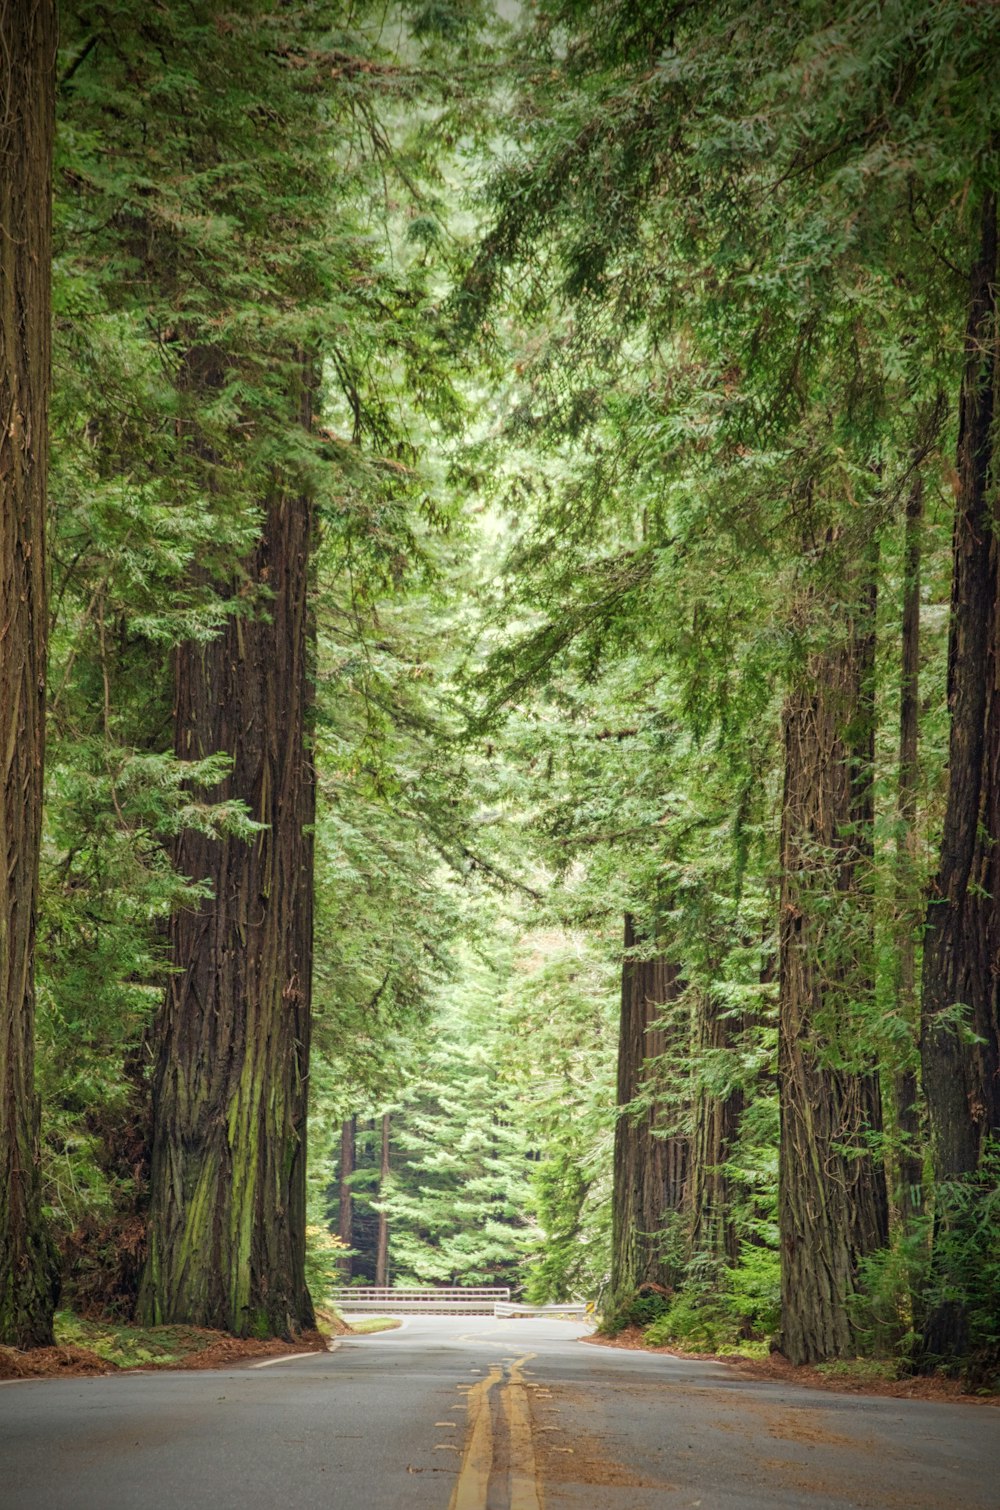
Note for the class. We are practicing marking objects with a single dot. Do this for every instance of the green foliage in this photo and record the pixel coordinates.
(755, 1290)
(364, 1325)
(727, 252)
(458, 1194)
(560, 1190)
(965, 1266)
(950, 1259)
(231, 202)
(559, 1021)
(324, 1252)
(722, 1312)
(130, 1346)
(717, 1308)
(643, 1309)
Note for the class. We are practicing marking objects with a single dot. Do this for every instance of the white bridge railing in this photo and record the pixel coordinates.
(487, 1300)
(571, 1311)
(388, 1300)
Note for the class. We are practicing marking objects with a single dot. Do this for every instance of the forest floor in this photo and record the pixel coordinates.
(86, 1346)
(856, 1376)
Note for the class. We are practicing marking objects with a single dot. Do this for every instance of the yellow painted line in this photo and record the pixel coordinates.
(472, 1486)
(525, 1493)
(474, 1475)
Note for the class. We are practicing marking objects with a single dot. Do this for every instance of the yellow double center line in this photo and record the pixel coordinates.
(472, 1488)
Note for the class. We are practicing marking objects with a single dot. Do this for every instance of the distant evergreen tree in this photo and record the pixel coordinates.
(457, 1198)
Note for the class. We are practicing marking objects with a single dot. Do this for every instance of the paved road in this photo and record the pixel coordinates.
(476, 1414)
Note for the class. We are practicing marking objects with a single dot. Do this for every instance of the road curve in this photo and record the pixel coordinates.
(479, 1414)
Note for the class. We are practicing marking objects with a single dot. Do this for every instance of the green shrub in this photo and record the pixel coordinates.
(948, 1261)
(324, 1254)
(722, 1309)
(698, 1320)
(882, 1310)
(641, 1308)
(964, 1269)
(754, 1287)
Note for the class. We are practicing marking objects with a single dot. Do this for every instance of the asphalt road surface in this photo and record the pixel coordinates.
(472, 1413)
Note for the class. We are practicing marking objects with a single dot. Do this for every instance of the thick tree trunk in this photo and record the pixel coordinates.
(716, 1125)
(345, 1202)
(832, 1193)
(961, 1073)
(906, 1093)
(227, 1218)
(28, 1273)
(382, 1249)
(651, 1151)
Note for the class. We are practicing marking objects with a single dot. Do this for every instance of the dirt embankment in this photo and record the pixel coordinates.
(858, 1379)
(202, 1349)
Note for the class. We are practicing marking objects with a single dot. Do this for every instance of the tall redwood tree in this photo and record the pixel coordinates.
(833, 1200)
(28, 1276)
(227, 1218)
(650, 1160)
(961, 984)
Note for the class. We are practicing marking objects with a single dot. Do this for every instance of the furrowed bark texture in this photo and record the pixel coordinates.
(716, 1124)
(962, 939)
(832, 1193)
(382, 1247)
(345, 1211)
(962, 943)
(906, 1092)
(227, 1219)
(650, 1171)
(28, 1273)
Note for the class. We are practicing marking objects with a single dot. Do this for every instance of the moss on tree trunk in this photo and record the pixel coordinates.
(227, 1219)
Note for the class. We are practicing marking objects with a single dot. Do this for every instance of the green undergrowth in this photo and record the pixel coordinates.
(366, 1324)
(130, 1346)
(720, 1310)
(860, 1370)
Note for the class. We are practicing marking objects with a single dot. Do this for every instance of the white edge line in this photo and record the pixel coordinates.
(286, 1358)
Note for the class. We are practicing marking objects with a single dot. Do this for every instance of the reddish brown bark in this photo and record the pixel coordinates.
(227, 1219)
(962, 943)
(906, 1092)
(715, 1128)
(382, 1246)
(28, 1275)
(651, 1151)
(345, 1203)
(833, 1207)
(961, 975)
